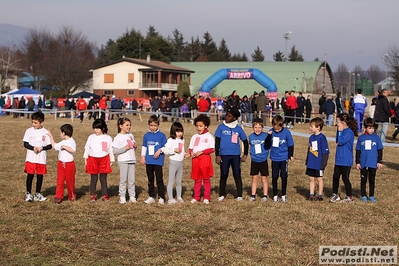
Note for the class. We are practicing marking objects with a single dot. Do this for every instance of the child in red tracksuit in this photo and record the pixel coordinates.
(66, 168)
(201, 146)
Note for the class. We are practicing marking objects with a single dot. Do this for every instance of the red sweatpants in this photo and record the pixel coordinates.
(207, 189)
(66, 174)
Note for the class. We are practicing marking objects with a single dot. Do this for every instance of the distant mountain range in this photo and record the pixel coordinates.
(11, 34)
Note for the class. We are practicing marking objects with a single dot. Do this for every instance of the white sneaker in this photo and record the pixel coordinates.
(284, 198)
(161, 201)
(28, 197)
(172, 201)
(149, 200)
(206, 201)
(275, 198)
(39, 197)
(193, 201)
(264, 199)
(221, 198)
(180, 199)
(252, 198)
(239, 199)
(133, 200)
(122, 200)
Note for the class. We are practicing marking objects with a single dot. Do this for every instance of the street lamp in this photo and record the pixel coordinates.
(354, 83)
(349, 83)
(304, 83)
(386, 60)
(296, 83)
(287, 37)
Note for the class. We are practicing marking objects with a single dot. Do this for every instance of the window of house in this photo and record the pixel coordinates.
(108, 78)
(130, 92)
(109, 92)
(130, 77)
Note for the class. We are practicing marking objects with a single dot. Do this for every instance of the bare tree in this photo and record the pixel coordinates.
(63, 59)
(8, 67)
(341, 78)
(391, 59)
(375, 74)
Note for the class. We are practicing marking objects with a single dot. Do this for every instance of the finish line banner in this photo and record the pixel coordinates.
(358, 255)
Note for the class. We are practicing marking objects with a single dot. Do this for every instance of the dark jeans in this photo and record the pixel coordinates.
(344, 171)
(155, 172)
(235, 162)
(367, 173)
(279, 169)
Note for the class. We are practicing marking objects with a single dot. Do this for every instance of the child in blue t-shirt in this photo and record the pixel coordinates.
(281, 151)
(368, 158)
(153, 158)
(228, 151)
(259, 152)
(317, 157)
(346, 130)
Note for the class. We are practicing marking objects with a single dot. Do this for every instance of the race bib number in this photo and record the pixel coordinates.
(314, 145)
(258, 149)
(276, 142)
(104, 146)
(234, 138)
(130, 143)
(151, 150)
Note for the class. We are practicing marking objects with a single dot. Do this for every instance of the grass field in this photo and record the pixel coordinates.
(226, 233)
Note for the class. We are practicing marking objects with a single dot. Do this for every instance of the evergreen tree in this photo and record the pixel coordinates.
(278, 57)
(295, 55)
(178, 46)
(192, 51)
(183, 90)
(209, 48)
(224, 53)
(258, 56)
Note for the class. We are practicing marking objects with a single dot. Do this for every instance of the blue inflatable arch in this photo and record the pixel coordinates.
(239, 74)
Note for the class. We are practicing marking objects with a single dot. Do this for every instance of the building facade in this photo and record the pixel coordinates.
(131, 77)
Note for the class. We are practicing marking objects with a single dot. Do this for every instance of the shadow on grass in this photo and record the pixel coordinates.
(391, 165)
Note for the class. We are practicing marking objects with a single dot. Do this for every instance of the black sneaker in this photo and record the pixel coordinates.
(320, 198)
(311, 198)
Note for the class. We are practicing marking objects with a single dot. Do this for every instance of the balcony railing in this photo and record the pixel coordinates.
(160, 86)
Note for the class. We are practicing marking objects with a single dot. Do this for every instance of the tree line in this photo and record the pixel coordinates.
(63, 61)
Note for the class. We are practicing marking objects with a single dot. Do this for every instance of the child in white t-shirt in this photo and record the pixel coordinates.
(66, 168)
(99, 157)
(125, 146)
(37, 142)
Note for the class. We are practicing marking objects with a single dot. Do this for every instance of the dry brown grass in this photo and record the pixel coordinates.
(227, 233)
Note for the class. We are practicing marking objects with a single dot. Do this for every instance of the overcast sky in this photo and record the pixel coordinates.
(353, 32)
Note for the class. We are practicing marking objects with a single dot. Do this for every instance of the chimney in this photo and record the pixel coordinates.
(148, 58)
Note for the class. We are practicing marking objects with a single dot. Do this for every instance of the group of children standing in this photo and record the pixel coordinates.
(100, 150)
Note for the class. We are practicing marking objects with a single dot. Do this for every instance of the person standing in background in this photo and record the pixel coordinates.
(359, 105)
(308, 108)
(322, 100)
(300, 100)
(338, 103)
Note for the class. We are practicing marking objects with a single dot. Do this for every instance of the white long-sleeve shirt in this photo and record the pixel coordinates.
(171, 145)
